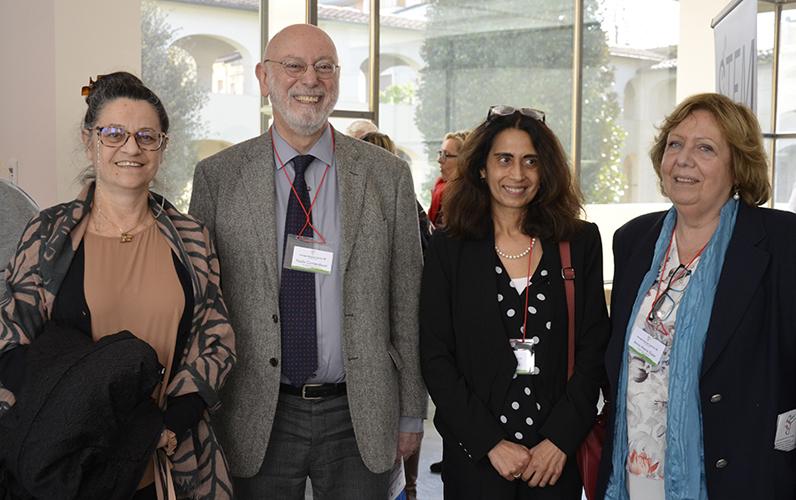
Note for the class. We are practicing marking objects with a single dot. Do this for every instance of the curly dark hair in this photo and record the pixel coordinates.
(554, 212)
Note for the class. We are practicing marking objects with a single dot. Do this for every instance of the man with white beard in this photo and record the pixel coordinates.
(319, 249)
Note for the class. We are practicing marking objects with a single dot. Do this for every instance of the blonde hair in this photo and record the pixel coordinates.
(379, 139)
(459, 137)
(749, 162)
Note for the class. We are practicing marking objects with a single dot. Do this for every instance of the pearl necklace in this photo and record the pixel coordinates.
(523, 254)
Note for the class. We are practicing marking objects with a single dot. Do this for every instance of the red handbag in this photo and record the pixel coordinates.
(588, 455)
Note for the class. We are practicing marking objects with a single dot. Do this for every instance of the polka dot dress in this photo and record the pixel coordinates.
(521, 412)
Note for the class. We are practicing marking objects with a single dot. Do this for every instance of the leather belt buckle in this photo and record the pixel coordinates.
(304, 392)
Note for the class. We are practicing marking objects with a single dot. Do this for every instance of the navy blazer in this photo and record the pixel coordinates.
(467, 361)
(748, 374)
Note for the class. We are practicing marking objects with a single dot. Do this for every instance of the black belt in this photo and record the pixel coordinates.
(313, 391)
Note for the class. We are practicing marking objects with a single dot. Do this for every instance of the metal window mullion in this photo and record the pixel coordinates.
(375, 61)
(774, 100)
(577, 88)
(264, 117)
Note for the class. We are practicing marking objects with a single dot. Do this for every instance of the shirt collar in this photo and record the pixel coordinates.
(322, 150)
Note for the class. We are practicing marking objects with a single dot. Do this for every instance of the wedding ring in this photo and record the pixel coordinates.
(517, 475)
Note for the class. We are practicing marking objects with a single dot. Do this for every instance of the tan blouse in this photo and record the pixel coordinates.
(133, 286)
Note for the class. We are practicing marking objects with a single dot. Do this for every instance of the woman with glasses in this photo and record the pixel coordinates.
(120, 257)
(446, 158)
(494, 317)
(701, 358)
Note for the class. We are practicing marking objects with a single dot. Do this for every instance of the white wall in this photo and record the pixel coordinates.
(696, 67)
(49, 48)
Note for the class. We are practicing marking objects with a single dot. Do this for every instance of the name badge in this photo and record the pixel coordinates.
(785, 439)
(646, 346)
(306, 255)
(525, 355)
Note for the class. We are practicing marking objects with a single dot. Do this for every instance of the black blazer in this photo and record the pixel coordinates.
(468, 363)
(748, 374)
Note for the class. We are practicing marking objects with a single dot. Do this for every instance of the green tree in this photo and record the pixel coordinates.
(519, 53)
(399, 93)
(171, 73)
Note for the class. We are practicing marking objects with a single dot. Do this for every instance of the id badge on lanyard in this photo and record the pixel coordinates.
(308, 255)
(526, 356)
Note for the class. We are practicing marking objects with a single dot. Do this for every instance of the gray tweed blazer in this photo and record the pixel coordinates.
(381, 263)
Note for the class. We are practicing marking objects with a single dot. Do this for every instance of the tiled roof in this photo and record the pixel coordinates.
(633, 53)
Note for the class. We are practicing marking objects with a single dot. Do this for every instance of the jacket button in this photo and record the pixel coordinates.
(275, 318)
(721, 464)
(274, 361)
(715, 398)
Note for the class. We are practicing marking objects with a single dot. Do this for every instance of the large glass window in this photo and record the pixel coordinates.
(199, 58)
(774, 22)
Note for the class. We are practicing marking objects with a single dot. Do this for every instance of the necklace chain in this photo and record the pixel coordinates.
(506, 256)
(126, 236)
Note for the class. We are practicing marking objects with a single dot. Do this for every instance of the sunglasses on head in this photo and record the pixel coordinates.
(509, 110)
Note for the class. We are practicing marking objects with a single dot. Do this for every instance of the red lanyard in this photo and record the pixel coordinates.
(527, 290)
(293, 188)
(673, 278)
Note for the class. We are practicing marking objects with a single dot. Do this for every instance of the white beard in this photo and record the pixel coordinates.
(306, 122)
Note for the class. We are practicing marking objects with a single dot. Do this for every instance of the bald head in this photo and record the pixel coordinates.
(301, 101)
(303, 35)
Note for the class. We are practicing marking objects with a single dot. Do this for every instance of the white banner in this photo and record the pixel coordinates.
(736, 52)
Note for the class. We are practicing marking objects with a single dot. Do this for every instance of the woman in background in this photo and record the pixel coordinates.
(451, 145)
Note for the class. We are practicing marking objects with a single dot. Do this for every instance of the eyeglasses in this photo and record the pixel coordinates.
(508, 111)
(294, 68)
(115, 137)
(664, 305)
(445, 156)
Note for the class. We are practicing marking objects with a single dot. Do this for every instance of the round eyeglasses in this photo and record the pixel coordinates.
(115, 137)
(294, 68)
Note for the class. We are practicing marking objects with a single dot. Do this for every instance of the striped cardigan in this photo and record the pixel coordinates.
(36, 273)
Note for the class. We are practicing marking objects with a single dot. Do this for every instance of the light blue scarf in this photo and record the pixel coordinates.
(684, 448)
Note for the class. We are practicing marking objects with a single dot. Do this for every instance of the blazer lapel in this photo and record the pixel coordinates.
(478, 286)
(743, 269)
(257, 173)
(635, 268)
(560, 320)
(351, 181)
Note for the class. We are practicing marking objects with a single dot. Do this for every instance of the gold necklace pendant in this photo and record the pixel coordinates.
(126, 236)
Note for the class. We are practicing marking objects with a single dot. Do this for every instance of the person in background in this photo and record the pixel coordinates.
(358, 128)
(120, 257)
(426, 228)
(494, 316)
(328, 383)
(451, 144)
(701, 359)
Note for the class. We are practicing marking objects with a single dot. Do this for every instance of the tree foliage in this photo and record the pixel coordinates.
(399, 93)
(170, 72)
(513, 52)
